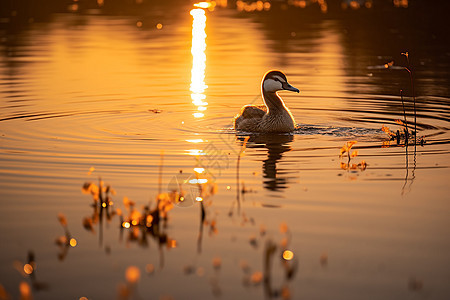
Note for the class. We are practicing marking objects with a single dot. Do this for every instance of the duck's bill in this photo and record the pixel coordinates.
(288, 87)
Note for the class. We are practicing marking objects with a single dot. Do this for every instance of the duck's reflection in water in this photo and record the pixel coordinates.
(277, 145)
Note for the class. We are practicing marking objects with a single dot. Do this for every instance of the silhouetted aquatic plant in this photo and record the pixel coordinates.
(272, 251)
(66, 241)
(206, 188)
(410, 72)
(195, 189)
(152, 221)
(238, 191)
(28, 271)
(102, 206)
(136, 224)
(348, 166)
(101, 194)
(405, 121)
(402, 137)
(405, 137)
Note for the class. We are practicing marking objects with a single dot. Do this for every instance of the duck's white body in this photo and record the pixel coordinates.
(272, 117)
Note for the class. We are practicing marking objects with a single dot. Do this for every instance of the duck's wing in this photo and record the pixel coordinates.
(253, 111)
(249, 117)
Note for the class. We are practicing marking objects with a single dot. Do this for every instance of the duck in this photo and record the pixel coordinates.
(273, 116)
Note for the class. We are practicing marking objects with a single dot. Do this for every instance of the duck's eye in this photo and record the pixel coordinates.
(279, 78)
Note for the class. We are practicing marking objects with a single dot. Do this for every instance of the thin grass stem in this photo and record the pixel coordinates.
(405, 120)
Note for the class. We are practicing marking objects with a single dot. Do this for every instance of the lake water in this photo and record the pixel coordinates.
(141, 95)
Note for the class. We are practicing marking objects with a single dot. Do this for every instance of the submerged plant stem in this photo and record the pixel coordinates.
(406, 121)
(238, 191)
(413, 92)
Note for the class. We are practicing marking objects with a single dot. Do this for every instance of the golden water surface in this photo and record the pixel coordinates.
(145, 98)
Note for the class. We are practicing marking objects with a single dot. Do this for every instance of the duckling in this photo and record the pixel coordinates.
(273, 116)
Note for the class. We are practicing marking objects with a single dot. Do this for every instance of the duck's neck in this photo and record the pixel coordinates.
(273, 102)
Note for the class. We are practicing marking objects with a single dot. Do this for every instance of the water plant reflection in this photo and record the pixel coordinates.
(27, 270)
(348, 166)
(241, 153)
(406, 137)
(273, 250)
(151, 222)
(205, 191)
(102, 206)
(137, 224)
(65, 241)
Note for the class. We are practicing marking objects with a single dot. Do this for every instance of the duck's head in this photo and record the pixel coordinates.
(275, 81)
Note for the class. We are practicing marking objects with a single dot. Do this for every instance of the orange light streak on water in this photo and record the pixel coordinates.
(198, 85)
(203, 5)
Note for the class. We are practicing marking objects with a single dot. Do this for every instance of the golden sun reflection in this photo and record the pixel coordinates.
(198, 181)
(199, 170)
(203, 4)
(195, 152)
(198, 85)
(199, 115)
(195, 141)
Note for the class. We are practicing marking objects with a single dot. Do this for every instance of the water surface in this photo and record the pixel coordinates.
(142, 97)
